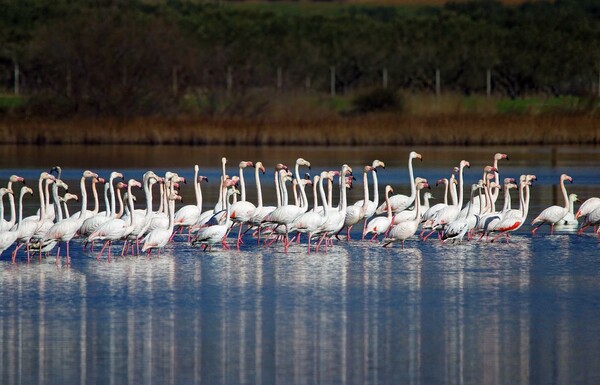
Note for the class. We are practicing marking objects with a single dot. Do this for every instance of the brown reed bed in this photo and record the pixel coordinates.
(374, 129)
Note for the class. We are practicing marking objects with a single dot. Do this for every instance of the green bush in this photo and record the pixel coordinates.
(377, 99)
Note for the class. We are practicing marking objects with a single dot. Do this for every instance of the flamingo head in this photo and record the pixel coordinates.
(69, 196)
(388, 189)
(573, 198)
(244, 164)
(46, 176)
(346, 170)
(201, 178)
(464, 163)
(378, 163)
(259, 166)
(89, 174)
(134, 183)
(509, 180)
(499, 156)
(510, 185)
(16, 178)
(416, 155)
(302, 162)
(235, 179)
(530, 178)
(420, 180)
(441, 181)
(566, 177)
(368, 168)
(26, 190)
(280, 166)
(56, 169)
(422, 185)
(196, 168)
(121, 185)
(60, 183)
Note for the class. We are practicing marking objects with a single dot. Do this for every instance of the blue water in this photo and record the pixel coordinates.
(525, 312)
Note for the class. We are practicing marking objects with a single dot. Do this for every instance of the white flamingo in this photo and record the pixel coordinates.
(511, 223)
(159, 237)
(217, 233)
(449, 213)
(8, 237)
(242, 211)
(380, 225)
(189, 215)
(401, 202)
(311, 221)
(357, 213)
(554, 214)
(66, 229)
(404, 230)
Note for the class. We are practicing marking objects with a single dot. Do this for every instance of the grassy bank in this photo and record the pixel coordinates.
(376, 129)
(410, 119)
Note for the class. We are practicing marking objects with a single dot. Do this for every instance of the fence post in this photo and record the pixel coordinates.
(69, 84)
(17, 75)
(279, 79)
(438, 87)
(332, 84)
(489, 83)
(175, 85)
(229, 80)
(385, 78)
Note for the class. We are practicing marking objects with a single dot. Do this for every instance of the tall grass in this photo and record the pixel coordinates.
(315, 119)
(376, 129)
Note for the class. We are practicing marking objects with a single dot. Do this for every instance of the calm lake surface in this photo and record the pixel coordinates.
(474, 313)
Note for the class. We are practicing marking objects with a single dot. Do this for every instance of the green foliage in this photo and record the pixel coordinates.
(377, 99)
(132, 58)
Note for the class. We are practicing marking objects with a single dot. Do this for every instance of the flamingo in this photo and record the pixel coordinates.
(449, 213)
(357, 213)
(65, 199)
(587, 207)
(401, 202)
(404, 230)
(242, 211)
(457, 229)
(116, 228)
(189, 215)
(8, 237)
(66, 229)
(372, 205)
(554, 214)
(7, 225)
(511, 223)
(285, 215)
(569, 222)
(311, 221)
(380, 225)
(410, 213)
(159, 237)
(29, 225)
(335, 218)
(217, 233)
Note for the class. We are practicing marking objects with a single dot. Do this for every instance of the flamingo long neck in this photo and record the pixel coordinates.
(41, 193)
(219, 205)
(565, 195)
(148, 194)
(66, 208)
(23, 192)
(83, 212)
(469, 206)
(497, 180)
(171, 206)
(572, 205)
(315, 197)
(227, 208)
(121, 205)
(242, 185)
(330, 193)
(113, 205)
(13, 211)
(522, 200)
(106, 201)
(460, 187)
(295, 191)
(418, 208)
(163, 198)
(413, 187)
(95, 194)
(426, 203)
(389, 206)
(304, 202)
(277, 188)
(258, 188)
(375, 188)
(506, 206)
(2, 207)
(365, 204)
(47, 192)
(57, 210)
(323, 198)
(284, 192)
(130, 206)
(453, 194)
(489, 208)
(197, 189)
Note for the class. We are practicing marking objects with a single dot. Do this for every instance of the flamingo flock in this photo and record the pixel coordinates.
(398, 219)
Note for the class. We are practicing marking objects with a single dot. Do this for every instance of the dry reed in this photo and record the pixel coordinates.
(374, 129)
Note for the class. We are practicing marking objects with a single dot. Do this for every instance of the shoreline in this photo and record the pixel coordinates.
(372, 130)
